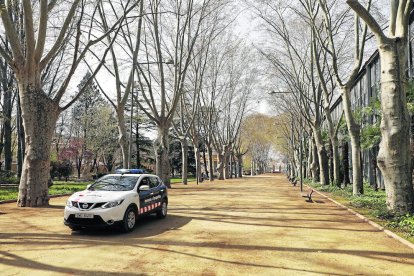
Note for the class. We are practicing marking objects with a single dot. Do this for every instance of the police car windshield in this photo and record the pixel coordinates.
(115, 183)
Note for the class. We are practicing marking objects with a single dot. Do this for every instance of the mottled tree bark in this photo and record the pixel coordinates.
(355, 136)
(161, 148)
(394, 159)
(197, 158)
(315, 162)
(122, 135)
(220, 166)
(40, 115)
(322, 158)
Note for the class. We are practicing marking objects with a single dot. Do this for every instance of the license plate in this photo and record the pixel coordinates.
(82, 215)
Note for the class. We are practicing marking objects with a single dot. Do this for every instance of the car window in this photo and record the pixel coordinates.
(153, 182)
(144, 181)
(114, 183)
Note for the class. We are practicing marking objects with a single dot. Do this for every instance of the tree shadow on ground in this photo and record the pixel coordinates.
(147, 226)
(11, 259)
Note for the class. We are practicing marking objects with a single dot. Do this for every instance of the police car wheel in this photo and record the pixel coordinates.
(129, 221)
(162, 213)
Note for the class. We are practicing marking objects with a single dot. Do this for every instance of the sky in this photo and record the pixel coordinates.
(247, 26)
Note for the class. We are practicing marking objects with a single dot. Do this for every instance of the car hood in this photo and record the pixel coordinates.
(99, 196)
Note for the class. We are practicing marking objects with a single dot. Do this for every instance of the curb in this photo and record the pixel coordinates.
(374, 224)
(15, 200)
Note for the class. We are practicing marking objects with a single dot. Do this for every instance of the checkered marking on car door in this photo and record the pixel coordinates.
(149, 207)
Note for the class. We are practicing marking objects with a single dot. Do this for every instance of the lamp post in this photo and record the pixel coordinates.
(300, 138)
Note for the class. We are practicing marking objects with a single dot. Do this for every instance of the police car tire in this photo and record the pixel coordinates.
(162, 212)
(127, 221)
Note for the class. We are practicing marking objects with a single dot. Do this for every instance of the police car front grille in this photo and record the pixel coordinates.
(80, 205)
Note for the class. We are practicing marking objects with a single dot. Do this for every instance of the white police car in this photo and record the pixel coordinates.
(117, 200)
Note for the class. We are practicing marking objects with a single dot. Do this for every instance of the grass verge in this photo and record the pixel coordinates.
(371, 204)
(177, 180)
(58, 188)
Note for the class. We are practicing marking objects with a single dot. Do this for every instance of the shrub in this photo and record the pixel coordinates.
(60, 169)
(368, 202)
(405, 223)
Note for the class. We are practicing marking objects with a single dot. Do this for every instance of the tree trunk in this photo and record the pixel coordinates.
(7, 113)
(345, 154)
(240, 165)
(138, 156)
(325, 165)
(336, 161)
(184, 161)
(331, 163)
(39, 115)
(334, 143)
(205, 161)
(322, 158)
(394, 158)
(292, 169)
(79, 165)
(226, 158)
(354, 134)
(161, 148)
(315, 162)
(220, 166)
(310, 160)
(197, 160)
(123, 136)
(210, 162)
(21, 149)
(231, 165)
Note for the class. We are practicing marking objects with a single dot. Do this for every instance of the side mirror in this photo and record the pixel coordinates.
(144, 188)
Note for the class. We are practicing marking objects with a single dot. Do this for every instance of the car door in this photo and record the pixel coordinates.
(155, 192)
(144, 196)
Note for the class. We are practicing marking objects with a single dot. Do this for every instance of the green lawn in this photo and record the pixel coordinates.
(373, 205)
(176, 180)
(62, 187)
(58, 188)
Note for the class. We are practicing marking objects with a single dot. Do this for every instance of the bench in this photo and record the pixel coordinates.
(309, 195)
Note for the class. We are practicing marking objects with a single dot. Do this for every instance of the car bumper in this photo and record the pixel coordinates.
(96, 222)
(101, 217)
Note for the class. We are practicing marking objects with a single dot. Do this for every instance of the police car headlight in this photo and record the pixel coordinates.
(112, 204)
(69, 203)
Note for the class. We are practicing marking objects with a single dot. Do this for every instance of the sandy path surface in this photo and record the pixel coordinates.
(250, 226)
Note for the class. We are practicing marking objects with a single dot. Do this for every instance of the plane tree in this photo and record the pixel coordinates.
(292, 59)
(170, 32)
(394, 157)
(45, 37)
